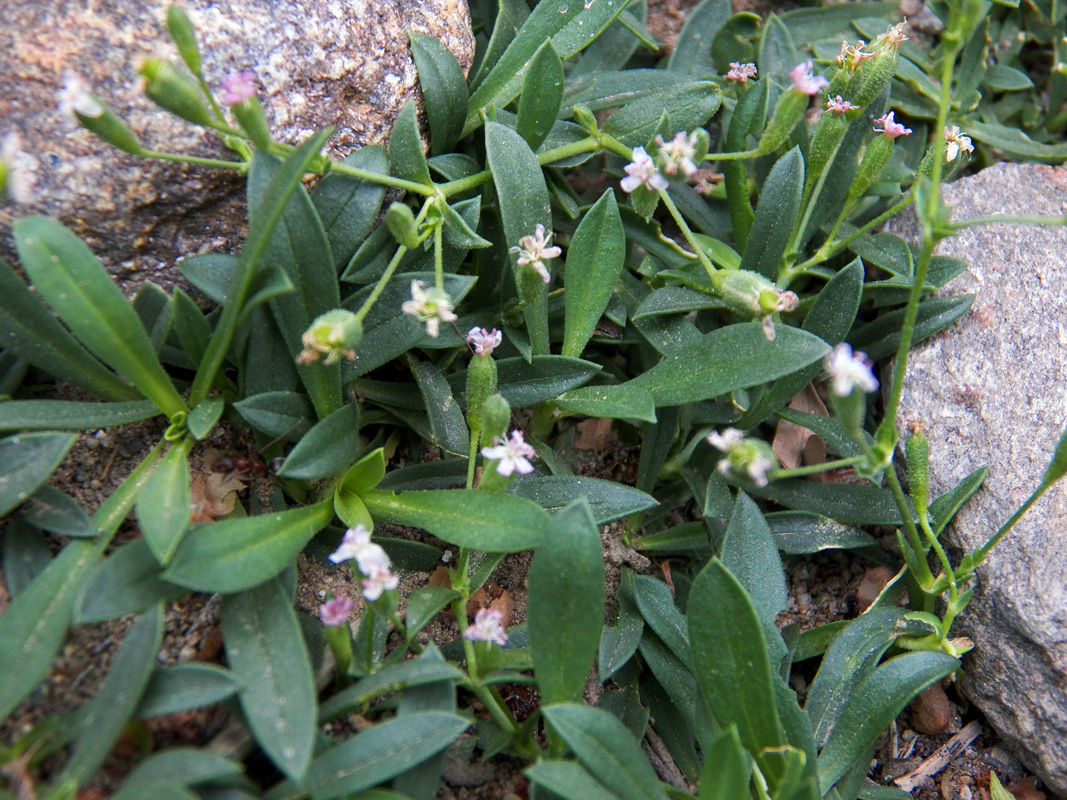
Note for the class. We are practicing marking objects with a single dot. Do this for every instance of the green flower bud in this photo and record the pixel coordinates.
(790, 110)
(334, 335)
(751, 295)
(169, 88)
(107, 125)
(401, 222)
(917, 454)
(584, 117)
(249, 115)
(184, 35)
(481, 383)
(828, 135)
(496, 417)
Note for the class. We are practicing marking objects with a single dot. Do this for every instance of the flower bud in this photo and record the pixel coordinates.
(751, 295)
(334, 335)
(827, 138)
(790, 110)
(481, 383)
(496, 417)
(585, 117)
(108, 126)
(250, 116)
(401, 222)
(917, 454)
(874, 162)
(184, 35)
(169, 88)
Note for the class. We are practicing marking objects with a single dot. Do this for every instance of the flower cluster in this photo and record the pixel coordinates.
(431, 306)
(893, 37)
(891, 129)
(742, 456)
(848, 370)
(740, 73)
(483, 341)
(488, 626)
(678, 153)
(642, 172)
(511, 456)
(805, 81)
(370, 558)
(853, 55)
(535, 250)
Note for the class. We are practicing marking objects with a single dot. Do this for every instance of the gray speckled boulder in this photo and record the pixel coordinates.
(318, 62)
(992, 390)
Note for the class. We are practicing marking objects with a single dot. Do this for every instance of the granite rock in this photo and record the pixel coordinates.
(992, 390)
(318, 62)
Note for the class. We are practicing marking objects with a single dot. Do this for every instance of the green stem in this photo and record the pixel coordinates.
(982, 552)
(815, 469)
(1009, 219)
(384, 180)
(439, 255)
(734, 156)
(379, 287)
(693, 243)
(927, 577)
(240, 166)
(461, 185)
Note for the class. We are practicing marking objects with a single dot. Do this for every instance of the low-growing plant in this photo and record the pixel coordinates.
(686, 305)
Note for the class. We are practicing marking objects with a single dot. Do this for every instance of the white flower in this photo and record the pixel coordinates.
(741, 72)
(678, 153)
(487, 627)
(955, 141)
(749, 456)
(535, 250)
(15, 170)
(512, 456)
(805, 81)
(357, 545)
(642, 172)
(74, 98)
(849, 370)
(853, 55)
(727, 440)
(484, 342)
(432, 306)
(379, 580)
(894, 35)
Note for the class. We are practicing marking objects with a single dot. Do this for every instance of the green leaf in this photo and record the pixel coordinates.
(750, 113)
(527, 383)
(734, 357)
(447, 424)
(298, 246)
(569, 780)
(185, 686)
(284, 415)
(486, 521)
(188, 766)
(656, 603)
(730, 657)
(349, 206)
(190, 326)
(688, 106)
(458, 232)
(1057, 467)
(26, 555)
(565, 609)
(510, 14)
(394, 678)
(594, 261)
(542, 93)
(114, 705)
(423, 606)
(77, 286)
(804, 532)
(327, 449)
(30, 330)
(608, 501)
(365, 474)
(523, 198)
(851, 505)
(997, 790)
(126, 582)
(266, 651)
(66, 415)
(570, 28)
(618, 401)
(405, 147)
(607, 750)
(675, 300)
(26, 462)
(692, 51)
(58, 513)
(211, 273)
(776, 216)
(1002, 78)
(876, 703)
(444, 90)
(735, 41)
(777, 53)
(619, 642)
(749, 552)
(238, 554)
(813, 24)
(603, 90)
(726, 770)
(1014, 142)
(202, 419)
(380, 753)
(164, 506)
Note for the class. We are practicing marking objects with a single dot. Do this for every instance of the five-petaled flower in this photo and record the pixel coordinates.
(511, 456)
(74, 98)
(805, 81)
(335, 612)
(678, 153)
(891, 129)
(432, 306)
(483, 341)
(741, 72)
(848, 370)
(488, 626)
(642, 172)
(955, 141)
(750, 457)
(839, 105)
(238, 87)
(535, 250)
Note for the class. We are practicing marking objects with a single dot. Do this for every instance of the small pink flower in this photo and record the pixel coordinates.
(484, 342)
(805, 81)
(535, 250)
(642, 172)
(678, 153)
(838, 105)
(238, 87)
(335, 612)
(891, 129)
(512, 456)
(741, 72)
(379, 580)
(487, 627)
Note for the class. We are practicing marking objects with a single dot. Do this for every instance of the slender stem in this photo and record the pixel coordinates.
(439, 255)
(982, 552)
(942, 556)
(383, 180)
(908, 329)
(734, 156)
(1009, 219)
(461, 185)
(927, 577)
(240, 166)
(693, 243)
(382, 282)
(815, 469)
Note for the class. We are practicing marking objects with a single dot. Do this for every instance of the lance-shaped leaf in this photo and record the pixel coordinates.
(179, 688)
(126, 582)
(26, 462)
(40, 415)
(486, 521)
(164, 506)
(238, 554)
(726, 770)
(776, 216)
(691, 54)
(394, 678)
(286, 415)
(734, 357)
(687, 106)
(348, 206)
(51, 510)
(267, 654)
(405, 146)
(447, 425)
(608, 501)
(444, 90)
(749, 552)
(566, 604)
(525, 383)
(730, 658)
(327, 449)
(83, 295)
(569, 780)
(542, 93)
(619, 401)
